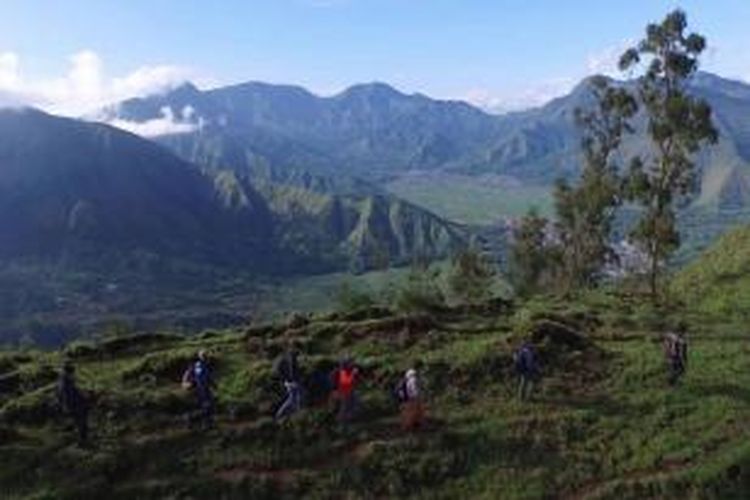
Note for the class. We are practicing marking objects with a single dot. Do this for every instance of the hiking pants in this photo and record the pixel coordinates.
(676, 371)
(206, 408)
(347, 406)
(292, 402)
(525, 387)
(81, 421)
(412, 414)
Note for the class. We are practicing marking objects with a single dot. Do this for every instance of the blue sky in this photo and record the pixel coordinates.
(500, 53)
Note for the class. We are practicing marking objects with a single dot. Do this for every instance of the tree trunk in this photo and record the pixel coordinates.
(654, 271)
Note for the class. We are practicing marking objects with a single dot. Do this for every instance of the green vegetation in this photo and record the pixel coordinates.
(586, 211)
(603, 424)
(718, 282)
(472, 200)
(472, 276)
(679, 125)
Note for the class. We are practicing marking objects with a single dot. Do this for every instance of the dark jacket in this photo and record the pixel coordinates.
(526, 361)
(287, 368)
(71, 399)
(203, 379)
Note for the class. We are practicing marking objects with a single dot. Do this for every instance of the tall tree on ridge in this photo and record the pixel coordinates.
(678, 126)
(585, 211)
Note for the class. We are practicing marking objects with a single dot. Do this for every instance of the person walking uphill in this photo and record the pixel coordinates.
(675, 353)
(287, 369)
(199, 378)
(345, 379)
(527, 369)
(412, 407)
(72, 402)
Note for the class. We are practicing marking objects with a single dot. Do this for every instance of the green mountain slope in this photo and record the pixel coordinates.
(602, 424)
(100, 225)
(78, 191)
(71, 190)
(719, 280)
(373, 131)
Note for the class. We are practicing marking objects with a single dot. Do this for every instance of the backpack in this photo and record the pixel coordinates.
(676, 348)
(400, 391)
(680, 350)
(188, 378)
(524, 360)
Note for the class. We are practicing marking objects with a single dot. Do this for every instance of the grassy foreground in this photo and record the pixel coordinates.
(603, 423)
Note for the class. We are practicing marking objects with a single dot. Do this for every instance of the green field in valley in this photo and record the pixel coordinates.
(472, 200)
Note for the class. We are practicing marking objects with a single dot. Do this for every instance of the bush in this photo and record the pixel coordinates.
(471, 277)
(420, 293)
(351, 298)
(167, 366)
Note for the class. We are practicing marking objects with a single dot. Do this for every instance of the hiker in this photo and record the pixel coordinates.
(318, 385)
(675, 353)
(72, 402)
(410, 396)
(287, 369)
(198, 378)
(527, 369)
(345, 379)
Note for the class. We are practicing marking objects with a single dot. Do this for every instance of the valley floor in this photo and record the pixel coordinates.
(602, 424)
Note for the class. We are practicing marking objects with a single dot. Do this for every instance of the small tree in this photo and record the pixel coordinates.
(351, 298)
(532, 258)
(678, 126)
(471, 276)
(585, 212)
(421, 291)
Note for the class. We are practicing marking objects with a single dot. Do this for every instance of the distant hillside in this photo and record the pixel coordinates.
(70, 190)
(83, 192)
(96, 222)
(374, 131)
(367, 130)
(719, 280)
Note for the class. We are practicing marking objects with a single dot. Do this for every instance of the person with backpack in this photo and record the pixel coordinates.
(345, 379)
(527, 369)
(73, 403)
(676, 353)
(410, 397)
(288, 371)
(199, 378)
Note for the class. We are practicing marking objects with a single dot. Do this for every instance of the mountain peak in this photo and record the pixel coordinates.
(185, 89)
(373, 89)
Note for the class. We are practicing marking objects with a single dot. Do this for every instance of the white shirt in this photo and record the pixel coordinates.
(412, 385)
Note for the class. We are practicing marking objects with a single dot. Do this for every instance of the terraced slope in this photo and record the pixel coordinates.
(603, 424)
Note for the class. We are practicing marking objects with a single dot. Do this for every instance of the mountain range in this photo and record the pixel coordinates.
(260, 181)
(374, 132)
(85, 194)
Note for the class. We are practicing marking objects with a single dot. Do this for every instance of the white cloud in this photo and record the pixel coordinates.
(517, 99)
(167, 124)
(85, 87)
(9, 76)
(606, 61)
(533, 95)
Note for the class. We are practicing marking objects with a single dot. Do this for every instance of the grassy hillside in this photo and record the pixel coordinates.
(471, 200)
(602, 425)
(719, 280)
